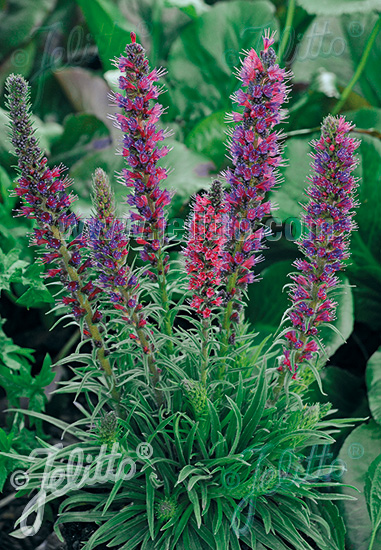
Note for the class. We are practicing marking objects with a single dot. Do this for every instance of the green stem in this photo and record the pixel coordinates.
(305, 131)
(373, 538)
(302, 132)
(93, 329)
(68, 345)
(361, 66)
(145, 344)
(226, 326)
(204, 350)
(162, 284)
(164, 299)
(156, 34)
(287, 29)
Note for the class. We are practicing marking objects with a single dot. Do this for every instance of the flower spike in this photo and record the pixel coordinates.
(141, 112)
(141, 150)
(255, 152)
(205, 249)
(46, 200)
(329, 221)
(108, 243)
(45, 197)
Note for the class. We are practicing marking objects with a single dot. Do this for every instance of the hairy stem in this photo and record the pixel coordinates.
(226, 327)
(146, 349)
(162, 280)
(164, 300)
(204, 350)
(85, 304)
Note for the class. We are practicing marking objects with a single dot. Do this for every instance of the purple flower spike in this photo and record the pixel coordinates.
(141, 150)
(329, 221)
(108, 242)
(256, 155)
(43, 191)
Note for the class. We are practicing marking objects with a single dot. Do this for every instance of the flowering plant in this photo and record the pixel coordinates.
(213, 426)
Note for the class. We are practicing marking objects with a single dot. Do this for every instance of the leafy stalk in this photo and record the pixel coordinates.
(108, 244)
(43, 191)
(141, 151)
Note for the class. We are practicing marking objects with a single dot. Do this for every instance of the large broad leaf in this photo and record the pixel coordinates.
(202, 59)
(189, 172)
(356, 32)
(109, 27)
(373, 382)
(360, 449)
(327, 7)
(344, 319)
(368, 119)
(193, 8)
(373, 494)
(19, 20)
(365, 271)
(336, 45)
(350, 403)
(21, 62)
(86, 91)
(268, 302)
(208, 137)
(83, 134)
(291, 193)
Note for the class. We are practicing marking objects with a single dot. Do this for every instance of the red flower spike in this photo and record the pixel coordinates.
(256, 155)
(141, 148)
(205, 247)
